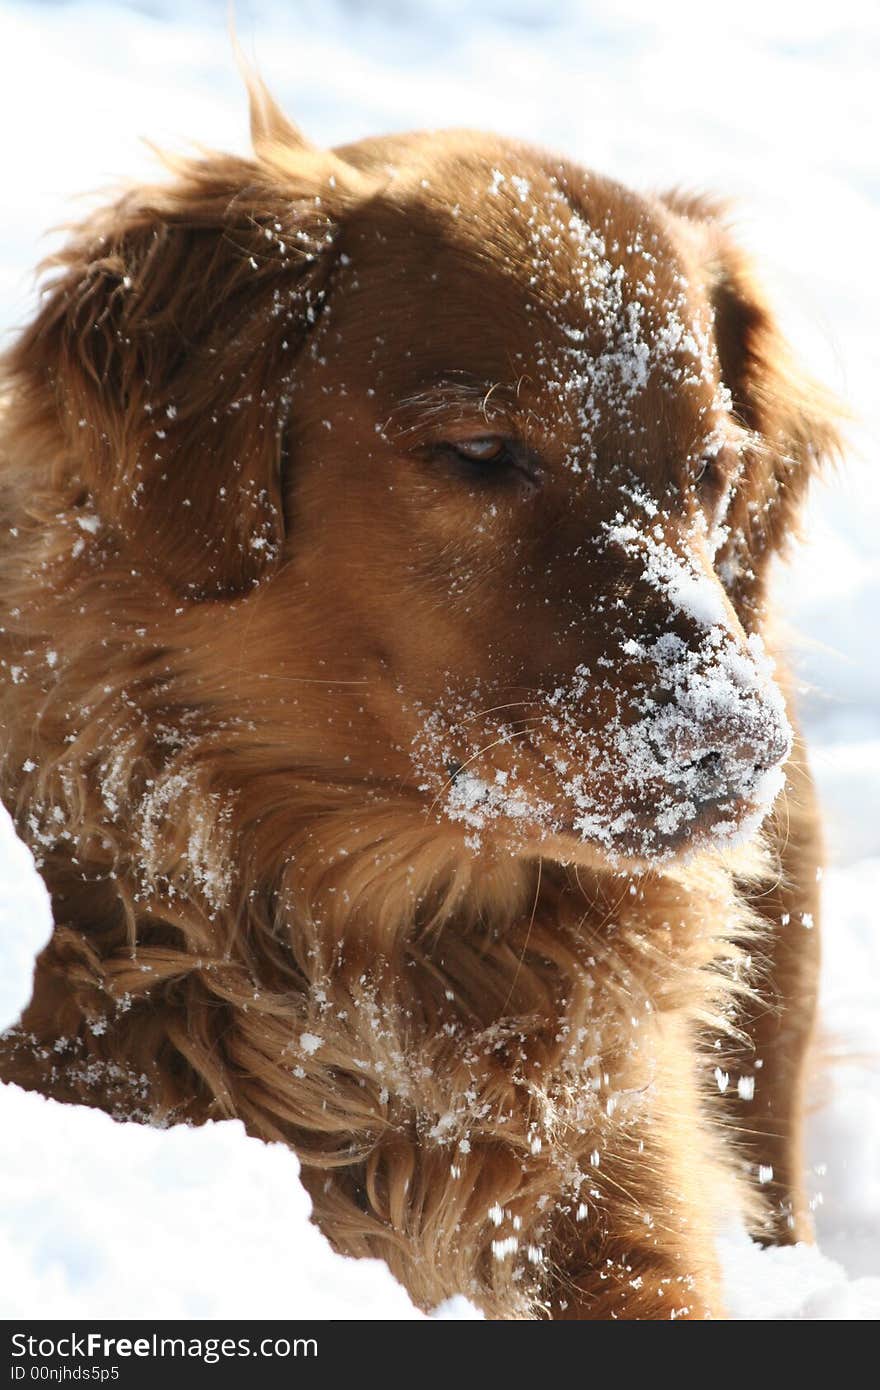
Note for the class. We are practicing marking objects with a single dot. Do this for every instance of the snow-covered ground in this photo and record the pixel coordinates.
(770, 103)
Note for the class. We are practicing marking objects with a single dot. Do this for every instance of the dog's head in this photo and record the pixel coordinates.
(457, 470)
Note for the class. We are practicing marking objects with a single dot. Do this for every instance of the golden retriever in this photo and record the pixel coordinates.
(386, 698)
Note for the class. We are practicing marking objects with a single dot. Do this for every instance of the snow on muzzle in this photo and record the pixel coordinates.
(714, 734)
(707, 735)
(671, 740)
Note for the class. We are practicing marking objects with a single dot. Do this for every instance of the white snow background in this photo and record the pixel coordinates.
(770, 103)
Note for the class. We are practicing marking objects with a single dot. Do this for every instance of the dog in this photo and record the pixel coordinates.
(389, 699)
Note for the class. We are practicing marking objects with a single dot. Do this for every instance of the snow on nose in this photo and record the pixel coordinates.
(678, 576)
(716, 726)
(722, 727)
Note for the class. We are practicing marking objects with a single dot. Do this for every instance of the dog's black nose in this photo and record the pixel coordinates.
(733, 767)
(707, 777)
(710, 768)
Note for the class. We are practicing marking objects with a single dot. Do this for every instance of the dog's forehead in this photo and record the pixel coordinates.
(521, 271)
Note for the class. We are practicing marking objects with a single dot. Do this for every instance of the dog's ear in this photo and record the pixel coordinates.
(793, 421)
(166, 346)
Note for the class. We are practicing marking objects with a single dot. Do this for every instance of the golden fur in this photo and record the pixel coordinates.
(257, 628)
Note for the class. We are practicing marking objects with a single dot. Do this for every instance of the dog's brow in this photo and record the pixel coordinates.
(457, 392)
(438, 401)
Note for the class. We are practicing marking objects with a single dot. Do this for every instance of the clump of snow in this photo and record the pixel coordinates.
(25, 921)
(791, 1282)
(456, 1309)
(844, 1133)
(110, 1220)
(475, 801)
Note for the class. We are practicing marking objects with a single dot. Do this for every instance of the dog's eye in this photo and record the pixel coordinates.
(486, 449)
(704, 471)
(489, 460)
(717, 468)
